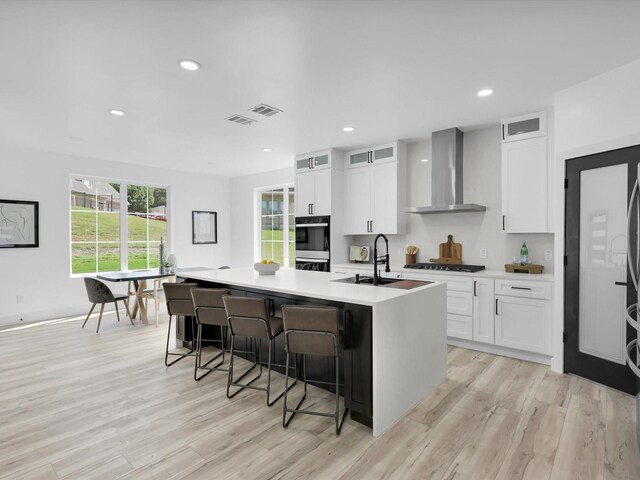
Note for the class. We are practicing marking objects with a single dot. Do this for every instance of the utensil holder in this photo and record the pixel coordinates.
(410, 258)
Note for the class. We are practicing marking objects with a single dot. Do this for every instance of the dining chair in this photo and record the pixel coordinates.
(156, 294)
(99, 293)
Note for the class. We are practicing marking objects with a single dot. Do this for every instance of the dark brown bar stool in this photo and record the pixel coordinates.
(312, 331)
(249, 317)
(179, 302)
(210, 310)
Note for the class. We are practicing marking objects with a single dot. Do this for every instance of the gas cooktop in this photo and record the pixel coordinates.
(446, 267)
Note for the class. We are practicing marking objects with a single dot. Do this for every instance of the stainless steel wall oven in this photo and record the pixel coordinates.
(313, 243)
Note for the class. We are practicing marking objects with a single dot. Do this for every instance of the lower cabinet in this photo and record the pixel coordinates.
(523, 323)
(483, 322)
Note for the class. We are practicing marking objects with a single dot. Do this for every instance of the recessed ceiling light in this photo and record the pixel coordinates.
(266, 150)
(424, 160)
(190, 65)
(117, 113)
(348, 129)
(485, 93)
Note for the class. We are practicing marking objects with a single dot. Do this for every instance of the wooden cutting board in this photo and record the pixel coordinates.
(449, 252)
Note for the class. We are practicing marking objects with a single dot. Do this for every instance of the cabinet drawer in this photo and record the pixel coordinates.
(459, 326)
(459, 303)
(523, 288)
(458, 284)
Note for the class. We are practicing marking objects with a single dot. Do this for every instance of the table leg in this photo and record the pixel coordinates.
(134, 311)
(140, 301)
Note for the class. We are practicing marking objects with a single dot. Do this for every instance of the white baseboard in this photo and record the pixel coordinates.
(498, 350)
(50, 314)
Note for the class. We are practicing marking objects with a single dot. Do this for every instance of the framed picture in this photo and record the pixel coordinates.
(204, 226)
(18, 224)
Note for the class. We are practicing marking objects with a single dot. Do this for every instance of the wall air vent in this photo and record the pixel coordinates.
(241, 120)
(265, 110)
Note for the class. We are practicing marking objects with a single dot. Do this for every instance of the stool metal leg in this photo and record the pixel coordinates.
(179, 355)
(199, 364)
(232, 382)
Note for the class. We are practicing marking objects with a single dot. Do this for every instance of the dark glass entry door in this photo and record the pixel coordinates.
(597, 284)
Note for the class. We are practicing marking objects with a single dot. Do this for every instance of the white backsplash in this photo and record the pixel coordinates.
(474, 230)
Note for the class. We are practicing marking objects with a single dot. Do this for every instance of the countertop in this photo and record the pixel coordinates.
(304, 283)
(368, 267)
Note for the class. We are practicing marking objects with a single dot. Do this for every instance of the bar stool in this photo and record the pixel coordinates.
(179, 302)
(210, 310)
(312, 331)
(249, 317)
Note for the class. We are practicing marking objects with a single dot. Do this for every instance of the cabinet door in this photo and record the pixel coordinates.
(357, 207)
(359, 158)
(483, 320)
(524, 186)
(322, 198)
(523, 323)
(524, 126)
(322, 161)
(459, 326)
(305, 193)
(385, 198)
(303, 164)
(385, 153)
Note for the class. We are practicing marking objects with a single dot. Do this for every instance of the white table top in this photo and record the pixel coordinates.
(304, 283)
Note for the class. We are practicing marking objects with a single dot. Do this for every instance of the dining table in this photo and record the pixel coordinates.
(139, 279)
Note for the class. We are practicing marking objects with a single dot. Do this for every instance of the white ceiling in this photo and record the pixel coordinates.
(392, 69)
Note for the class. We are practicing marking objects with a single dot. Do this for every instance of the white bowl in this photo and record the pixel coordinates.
(266, 268)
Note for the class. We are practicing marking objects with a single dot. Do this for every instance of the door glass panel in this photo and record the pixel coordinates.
(383, 153)
(358, 158)
(322, 160)
(603, 261)
(524, 126)
(304, 163)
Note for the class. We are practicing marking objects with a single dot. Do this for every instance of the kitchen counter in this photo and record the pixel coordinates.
(407, 340)
(543, 277)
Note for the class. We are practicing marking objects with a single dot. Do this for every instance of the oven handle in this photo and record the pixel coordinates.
(313, 260)
(312, 225)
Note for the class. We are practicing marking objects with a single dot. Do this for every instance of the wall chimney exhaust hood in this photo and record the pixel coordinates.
(446, 175)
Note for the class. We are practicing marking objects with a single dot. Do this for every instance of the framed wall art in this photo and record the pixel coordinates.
(18, 224)
(204, 227)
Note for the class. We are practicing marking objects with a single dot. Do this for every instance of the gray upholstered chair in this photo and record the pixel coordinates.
(99, 293)
(179, 302)
(249, 317)
(210, 310)
(312, 331)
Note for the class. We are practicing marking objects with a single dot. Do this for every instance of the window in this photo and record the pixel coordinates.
(276, 228)
(108, 234)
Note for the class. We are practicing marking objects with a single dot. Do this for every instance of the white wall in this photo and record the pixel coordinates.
(243, 209)
(41, 274)
(597, 115)
(474, 230)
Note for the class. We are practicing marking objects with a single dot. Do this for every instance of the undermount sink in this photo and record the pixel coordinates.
(381, 281)
(406, 284)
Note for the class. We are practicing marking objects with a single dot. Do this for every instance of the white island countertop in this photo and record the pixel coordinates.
(305, 283)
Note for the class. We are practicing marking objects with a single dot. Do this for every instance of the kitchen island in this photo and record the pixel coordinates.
(395, 338)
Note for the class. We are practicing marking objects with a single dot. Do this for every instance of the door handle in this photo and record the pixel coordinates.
(474, 288)
(521, 288)
(503, 131)
(503, 216)
(371, 221)
(309, 208)
(312, 209)
(497, 307)
(624, 284)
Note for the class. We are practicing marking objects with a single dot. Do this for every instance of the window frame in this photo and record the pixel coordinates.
(123, 218)
(257, 222)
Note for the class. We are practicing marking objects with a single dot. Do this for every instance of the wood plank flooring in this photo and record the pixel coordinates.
(79, 405)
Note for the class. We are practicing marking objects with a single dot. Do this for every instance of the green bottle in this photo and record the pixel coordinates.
(524, 253)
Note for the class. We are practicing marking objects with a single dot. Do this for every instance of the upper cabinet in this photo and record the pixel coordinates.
(317, 161)
(314, 185)
(525, 193)
(368, 156)
(375, 190)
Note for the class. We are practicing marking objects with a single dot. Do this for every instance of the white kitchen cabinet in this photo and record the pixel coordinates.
(375, 197)
(314, 161)
(483, 319)
(459, 326)
(524, 186)
(523, 323)
(525, 126)
(373, 155)
(313, 193)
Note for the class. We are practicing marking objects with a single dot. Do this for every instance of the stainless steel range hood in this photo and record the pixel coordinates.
(446, 175)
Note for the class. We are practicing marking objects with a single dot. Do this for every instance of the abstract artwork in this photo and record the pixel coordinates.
(18, 224)
(204, 227)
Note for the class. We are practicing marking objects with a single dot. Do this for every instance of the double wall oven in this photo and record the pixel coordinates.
(312, 243)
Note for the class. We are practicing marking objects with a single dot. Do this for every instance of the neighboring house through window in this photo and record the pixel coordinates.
(111, 231)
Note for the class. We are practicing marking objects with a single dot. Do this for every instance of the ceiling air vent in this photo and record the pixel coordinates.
(240, 119)
(265, 110)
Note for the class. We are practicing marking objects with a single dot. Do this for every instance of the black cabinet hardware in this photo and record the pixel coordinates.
(624, 284)
(503, 221)
(497, 307)
(521, 288)
(474, 288)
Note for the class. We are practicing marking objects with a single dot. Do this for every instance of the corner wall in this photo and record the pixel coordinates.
(41, 274)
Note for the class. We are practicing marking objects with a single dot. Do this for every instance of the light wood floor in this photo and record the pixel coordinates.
(79, 405)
